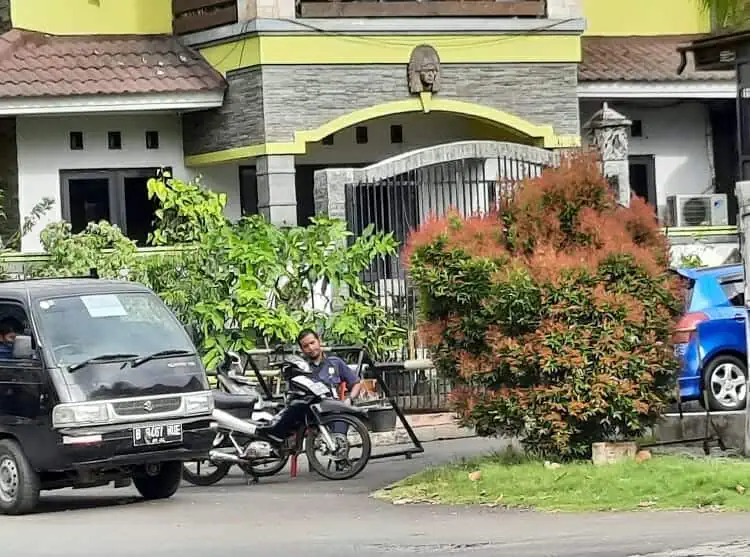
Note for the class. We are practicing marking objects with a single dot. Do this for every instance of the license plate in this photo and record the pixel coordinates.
(157, 434)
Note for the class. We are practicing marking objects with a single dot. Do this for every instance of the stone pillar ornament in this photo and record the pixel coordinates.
(608, 131)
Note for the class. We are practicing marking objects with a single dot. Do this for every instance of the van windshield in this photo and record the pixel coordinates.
(126, 324)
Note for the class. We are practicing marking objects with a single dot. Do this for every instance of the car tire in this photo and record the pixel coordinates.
(19, 483)
(161, 483)
(725, 384)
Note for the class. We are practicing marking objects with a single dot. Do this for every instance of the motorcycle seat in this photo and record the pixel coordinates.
(227, 401)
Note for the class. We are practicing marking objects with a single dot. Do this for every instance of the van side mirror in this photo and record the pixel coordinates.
(23, 347)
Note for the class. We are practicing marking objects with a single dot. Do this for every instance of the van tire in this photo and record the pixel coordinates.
(160, 485)
(16, 473)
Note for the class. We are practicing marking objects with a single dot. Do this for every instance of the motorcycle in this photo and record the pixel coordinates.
(308, 422)
(250, 405)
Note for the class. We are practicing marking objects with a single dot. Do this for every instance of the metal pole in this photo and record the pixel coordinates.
(742, 191)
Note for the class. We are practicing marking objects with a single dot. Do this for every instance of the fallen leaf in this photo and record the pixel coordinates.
(646, 504)
(475, 476)
(551, 465)
(642, 456)
(740, 489)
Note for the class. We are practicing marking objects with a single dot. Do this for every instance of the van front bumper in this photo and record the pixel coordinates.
(109, 447)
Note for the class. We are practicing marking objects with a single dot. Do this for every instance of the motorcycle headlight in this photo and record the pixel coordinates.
(67, 415)
(200, 403)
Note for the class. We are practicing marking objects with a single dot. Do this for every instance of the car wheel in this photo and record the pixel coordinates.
(159, 481)
(19, 483)
(725, 383)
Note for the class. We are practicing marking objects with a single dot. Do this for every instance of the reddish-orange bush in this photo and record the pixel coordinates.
(554, 314)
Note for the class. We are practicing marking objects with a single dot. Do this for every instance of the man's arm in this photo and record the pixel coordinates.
(351, 379)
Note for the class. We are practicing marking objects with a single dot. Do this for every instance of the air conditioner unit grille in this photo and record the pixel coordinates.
(696, 211)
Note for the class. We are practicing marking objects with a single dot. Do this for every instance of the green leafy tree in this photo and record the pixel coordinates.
(239, 285)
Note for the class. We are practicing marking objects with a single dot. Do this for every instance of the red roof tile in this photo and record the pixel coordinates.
(640, 59)
(34, 64)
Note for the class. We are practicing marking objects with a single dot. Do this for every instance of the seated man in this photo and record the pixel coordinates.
(330, 370)
(8, 331)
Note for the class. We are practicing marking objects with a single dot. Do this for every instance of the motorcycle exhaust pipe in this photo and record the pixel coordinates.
(227, 421)
(221, 456)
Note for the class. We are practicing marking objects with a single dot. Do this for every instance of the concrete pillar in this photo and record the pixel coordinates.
(329, 191)
(742, 190)
(277, 194)
(608, 132)
(248, 10)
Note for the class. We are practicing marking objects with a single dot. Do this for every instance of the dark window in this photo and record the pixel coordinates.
(361, 134)
(76, 141)
(734, 291)
(636, 128)
(114, 140)
(117, 196)
(152, 140)
(643, 177)
(248, 191)
(397, 134)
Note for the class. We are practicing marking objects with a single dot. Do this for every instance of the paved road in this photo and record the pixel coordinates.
(317, 518)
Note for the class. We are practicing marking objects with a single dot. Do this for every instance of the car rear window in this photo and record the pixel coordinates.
(734, 291)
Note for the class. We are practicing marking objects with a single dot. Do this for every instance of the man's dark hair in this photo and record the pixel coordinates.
(304, 332)
(9, 325)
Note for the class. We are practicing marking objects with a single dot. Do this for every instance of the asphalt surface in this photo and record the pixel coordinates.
(318, 518)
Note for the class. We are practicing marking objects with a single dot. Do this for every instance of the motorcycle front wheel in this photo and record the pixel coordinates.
(215, 472)
(343, 468)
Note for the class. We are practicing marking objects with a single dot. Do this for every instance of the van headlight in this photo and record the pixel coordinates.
(66, 415)
(200, 403)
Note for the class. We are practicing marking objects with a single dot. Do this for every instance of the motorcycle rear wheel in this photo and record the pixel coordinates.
(222, 469)
(358, 466)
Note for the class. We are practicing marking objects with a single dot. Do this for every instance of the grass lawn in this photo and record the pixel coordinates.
(508, 480)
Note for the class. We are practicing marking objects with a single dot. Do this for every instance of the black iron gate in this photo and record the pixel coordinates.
(401, 203)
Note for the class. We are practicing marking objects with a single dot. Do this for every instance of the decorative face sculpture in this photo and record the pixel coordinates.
(423, 71)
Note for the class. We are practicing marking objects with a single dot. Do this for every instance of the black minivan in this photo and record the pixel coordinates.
(102, 384)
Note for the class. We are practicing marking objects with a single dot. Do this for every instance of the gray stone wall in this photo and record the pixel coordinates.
(305, 97)
(238, 123)
(5, 23)
(10, 223)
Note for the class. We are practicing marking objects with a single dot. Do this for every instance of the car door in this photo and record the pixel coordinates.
(24, 392)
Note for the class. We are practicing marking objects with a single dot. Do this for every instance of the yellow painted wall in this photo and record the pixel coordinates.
(390, 49)
(93, 17)
(644, 17)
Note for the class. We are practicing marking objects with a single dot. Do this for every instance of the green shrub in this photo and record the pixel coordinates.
(553, 315)
(240, 285)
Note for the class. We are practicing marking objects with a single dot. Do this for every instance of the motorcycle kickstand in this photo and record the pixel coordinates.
(250, 477)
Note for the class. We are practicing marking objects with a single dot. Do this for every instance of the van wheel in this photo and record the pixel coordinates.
(19, 483)
(158, 481)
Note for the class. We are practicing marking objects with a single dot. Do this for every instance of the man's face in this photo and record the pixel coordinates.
(10, 337)
(310, 346)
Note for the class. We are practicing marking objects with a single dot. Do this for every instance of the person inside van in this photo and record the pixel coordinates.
(8, 330)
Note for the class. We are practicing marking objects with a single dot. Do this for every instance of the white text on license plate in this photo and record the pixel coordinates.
(157, 434)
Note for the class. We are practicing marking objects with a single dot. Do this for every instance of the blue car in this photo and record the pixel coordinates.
(710, 337)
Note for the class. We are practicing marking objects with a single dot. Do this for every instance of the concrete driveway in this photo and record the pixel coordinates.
(318, 518)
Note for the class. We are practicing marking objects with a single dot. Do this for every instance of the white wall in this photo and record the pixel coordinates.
(419, 130)
(43, 151)
(678, 135)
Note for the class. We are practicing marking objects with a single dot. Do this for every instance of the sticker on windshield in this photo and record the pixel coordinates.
(103, 305)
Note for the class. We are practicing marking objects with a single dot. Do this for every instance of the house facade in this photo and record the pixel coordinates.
(255, 96)
(683, 138)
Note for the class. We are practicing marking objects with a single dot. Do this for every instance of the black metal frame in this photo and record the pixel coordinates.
(707, 437)
(363, 359)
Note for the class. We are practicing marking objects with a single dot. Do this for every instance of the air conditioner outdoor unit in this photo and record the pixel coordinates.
(698, 210)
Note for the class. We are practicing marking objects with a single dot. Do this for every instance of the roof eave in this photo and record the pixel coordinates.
(172, 101)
